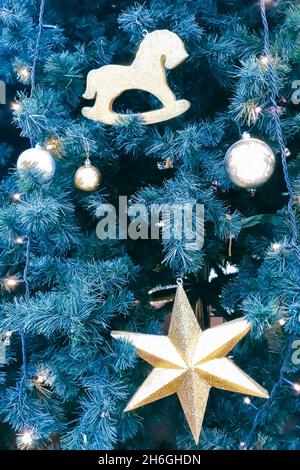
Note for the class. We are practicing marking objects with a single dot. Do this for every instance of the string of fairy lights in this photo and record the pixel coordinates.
(11, 283)
(269, 62)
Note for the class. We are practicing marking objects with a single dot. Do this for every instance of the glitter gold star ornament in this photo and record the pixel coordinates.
(189, 362)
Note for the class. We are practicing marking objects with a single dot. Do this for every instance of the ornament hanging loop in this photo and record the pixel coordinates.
(86, 146)
(144, 31)
(179, 281)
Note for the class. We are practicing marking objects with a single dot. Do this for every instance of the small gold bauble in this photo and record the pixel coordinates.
(249, 162)
(87, 177)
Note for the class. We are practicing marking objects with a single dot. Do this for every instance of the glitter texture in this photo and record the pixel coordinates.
(189, 362)
(159, 49)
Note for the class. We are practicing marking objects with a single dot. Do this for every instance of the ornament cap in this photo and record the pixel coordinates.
(246, 136)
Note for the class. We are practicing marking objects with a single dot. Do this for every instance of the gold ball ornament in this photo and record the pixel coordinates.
(249, 162)
(38, 159)
(87, 177)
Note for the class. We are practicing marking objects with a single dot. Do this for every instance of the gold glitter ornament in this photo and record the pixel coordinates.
(249, 162)
(159, 50)
(189, 362)
(87, 177)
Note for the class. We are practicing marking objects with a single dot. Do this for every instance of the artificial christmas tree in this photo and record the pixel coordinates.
(66, 283)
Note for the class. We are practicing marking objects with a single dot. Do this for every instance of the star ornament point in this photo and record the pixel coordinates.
(189, 362)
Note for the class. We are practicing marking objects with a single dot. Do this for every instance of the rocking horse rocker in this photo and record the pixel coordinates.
(159, 50)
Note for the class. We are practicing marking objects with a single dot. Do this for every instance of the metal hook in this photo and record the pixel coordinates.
(86, 146)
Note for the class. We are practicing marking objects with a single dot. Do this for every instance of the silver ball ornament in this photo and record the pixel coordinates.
(38, 159)
(249, 162)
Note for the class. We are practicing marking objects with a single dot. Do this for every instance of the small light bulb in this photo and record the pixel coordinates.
(258, 109)
(11, 282)
(15, 106)
(296, 387)
(276, 247)
(243, 446)
(288, 152)
(19, 240)
(24, 73)
(27, 438)
(84, 438)
(264, 60)
(54, 145)
(41, 378)
(16, 196)
(247, 400)
(281, 321)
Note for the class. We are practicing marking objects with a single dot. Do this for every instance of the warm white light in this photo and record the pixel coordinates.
(296, 387)
(11, 282)
(24, 73)
(247, 400)
(16, 196)
(41, 378)
(27, 438)
(288, 152)
(54, 145)
(276, 247)
(264, 60)
(19, 240)
(14, 106)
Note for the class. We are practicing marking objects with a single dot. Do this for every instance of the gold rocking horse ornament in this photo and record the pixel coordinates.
(159, 50)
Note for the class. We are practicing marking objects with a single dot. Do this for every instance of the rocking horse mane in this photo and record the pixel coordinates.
(160, 47)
